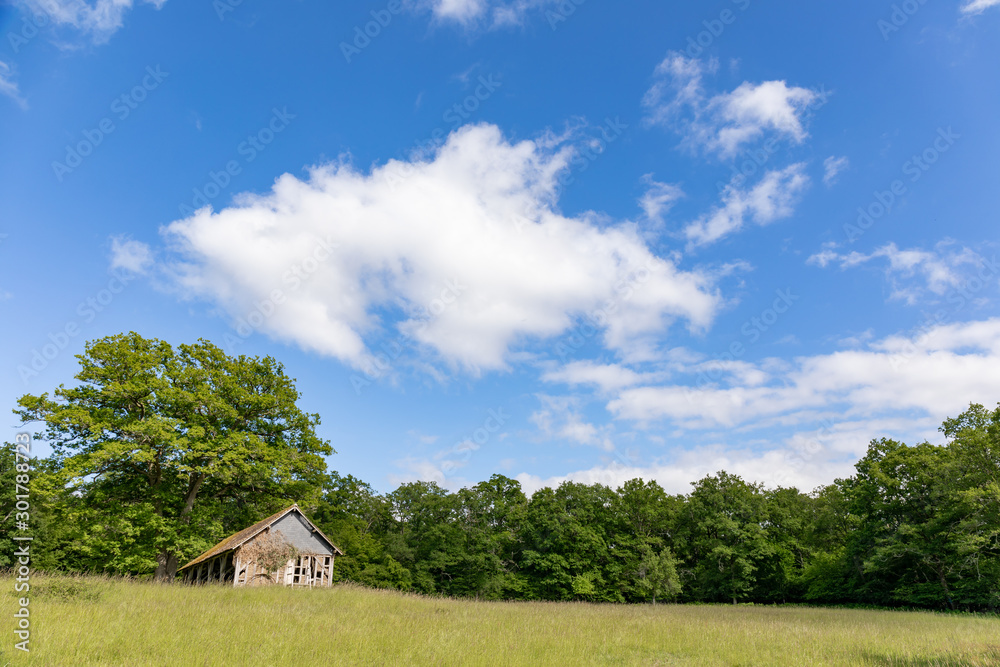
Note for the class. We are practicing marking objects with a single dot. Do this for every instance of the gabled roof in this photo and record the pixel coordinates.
(237, 539)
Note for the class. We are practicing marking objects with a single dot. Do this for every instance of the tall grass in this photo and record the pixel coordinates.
(100, 621)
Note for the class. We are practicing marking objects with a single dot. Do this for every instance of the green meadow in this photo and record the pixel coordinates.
(77, 621)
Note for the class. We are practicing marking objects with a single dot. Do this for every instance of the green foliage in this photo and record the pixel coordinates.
(164, 451)
(159, 453)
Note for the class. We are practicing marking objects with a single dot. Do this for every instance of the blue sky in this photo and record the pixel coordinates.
(546, 239)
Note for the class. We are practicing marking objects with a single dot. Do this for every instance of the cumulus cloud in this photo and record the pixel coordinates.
(463, 252)
(979, 6)
(9, 87)
(773, 198)
(100, 18)
(131, 255)
(723, 123)
(913, 272)
(832, 166)
(486, 13)
(805, 460)
(561, 418)
(933, 370)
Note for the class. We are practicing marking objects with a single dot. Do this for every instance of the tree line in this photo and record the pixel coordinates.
(160, 452)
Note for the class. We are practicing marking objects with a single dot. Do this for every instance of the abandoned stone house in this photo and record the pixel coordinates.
(233, 559)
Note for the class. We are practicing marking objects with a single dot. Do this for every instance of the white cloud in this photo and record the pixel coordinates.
(805, 460)
(832, 167)
(560, 418)
(437, 249)
(131, 255)
(771, 199)
(936, 370)
(607, 377)
(913, 272)
(979, 6)
(9, 87)
(487, 13)
(725, 122)
(659, 198)
(100, 18)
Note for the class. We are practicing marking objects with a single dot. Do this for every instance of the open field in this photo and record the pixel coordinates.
(94, 621)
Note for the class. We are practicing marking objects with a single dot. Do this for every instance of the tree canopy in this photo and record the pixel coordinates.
(160, 450)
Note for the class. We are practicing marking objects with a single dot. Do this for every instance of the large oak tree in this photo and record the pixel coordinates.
(164, 450)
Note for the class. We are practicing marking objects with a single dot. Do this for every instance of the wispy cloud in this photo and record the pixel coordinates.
(771, 199)
(725, 122)
(9, 87)
(832, 167)
(979, 6)
(490, 14)
(937, 369)
(659, 198)
(912, 272)
(100, 19)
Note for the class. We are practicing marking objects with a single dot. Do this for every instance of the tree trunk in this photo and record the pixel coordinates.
(947, 591)
(166, 567)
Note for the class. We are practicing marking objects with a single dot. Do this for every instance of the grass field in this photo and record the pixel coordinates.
(94, 621)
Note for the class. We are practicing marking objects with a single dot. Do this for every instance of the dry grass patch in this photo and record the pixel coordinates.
(98, 621)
